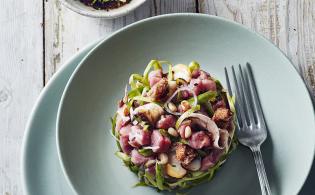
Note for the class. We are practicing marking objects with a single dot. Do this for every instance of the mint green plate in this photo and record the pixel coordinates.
(41, 171)
(86, 148)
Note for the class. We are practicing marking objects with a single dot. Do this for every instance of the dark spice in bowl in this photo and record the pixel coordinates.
(105, 4)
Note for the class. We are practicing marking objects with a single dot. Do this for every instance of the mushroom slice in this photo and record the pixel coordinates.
(182, 71)
(151, 111)
(194, 165)
(174, 167)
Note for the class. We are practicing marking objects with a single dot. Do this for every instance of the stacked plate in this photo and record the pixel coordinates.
(67, 146)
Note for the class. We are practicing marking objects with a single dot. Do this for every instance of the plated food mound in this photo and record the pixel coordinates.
(174, 128)
(105, 4)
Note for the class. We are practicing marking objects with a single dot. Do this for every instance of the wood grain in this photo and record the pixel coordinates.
(289, 24)
(66, 32)
(21, 80)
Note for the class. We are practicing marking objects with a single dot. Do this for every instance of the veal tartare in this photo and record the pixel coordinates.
(174, 127)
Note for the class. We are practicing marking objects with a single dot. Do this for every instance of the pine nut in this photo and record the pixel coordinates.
(172, 107)
(187, 132)
(172, 132)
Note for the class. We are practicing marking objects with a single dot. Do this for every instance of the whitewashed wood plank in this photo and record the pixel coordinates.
(66, 32)
(252, 13)
(21, 79)
(289, 24)
(302, 46)
(174, 6)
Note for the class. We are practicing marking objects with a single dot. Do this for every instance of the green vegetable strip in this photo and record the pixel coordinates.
(145, 152)
(196, 176)
(153, 63)
(133, 79)
(204, 97)
(193, 66)
(113, 121)
(143, 99)
(150, 178)
(208, 107)
(140, 184)
(231, 101)
(159, 176)
(122, 156)
(218, 84)
(170, 70)
(135, 92)
(170, 73)
(186, 114)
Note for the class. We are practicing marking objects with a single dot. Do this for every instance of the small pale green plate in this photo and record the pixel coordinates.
(86, 149)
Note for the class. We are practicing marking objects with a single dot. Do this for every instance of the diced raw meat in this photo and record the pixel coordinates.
(124, 144)
(199, 140)
(138, 137)
(155, 76)
(159, 143)
(137, 158)
(166, 122)
(210, 160)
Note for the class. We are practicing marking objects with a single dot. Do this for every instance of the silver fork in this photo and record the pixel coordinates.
(252, 131)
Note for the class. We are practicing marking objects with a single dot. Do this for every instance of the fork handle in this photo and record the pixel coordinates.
(263, 180)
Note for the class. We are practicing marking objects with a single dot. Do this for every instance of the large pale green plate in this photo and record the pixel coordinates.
(41, 171)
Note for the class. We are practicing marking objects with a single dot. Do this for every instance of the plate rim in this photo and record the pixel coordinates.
(36, 107)
(309, 97)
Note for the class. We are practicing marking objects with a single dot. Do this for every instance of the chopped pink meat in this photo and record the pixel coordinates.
(210, 160)
(155, 76)
(186, 94)
(137, 158)
(202, 85)
(124, 143)
(125, 130)
(202, 82)
(200, 74)
(121, 122)
(199, 140)
(138, 137)
(166, 122)
(203, 75)
(159, 90)
(159, 143)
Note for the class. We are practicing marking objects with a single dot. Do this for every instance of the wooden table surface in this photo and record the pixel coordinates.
(38, 36)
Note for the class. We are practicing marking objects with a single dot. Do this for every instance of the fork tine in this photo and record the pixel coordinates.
(256, 102)
(239, 122)
(239, 100)
(228, 82)
(247, 97)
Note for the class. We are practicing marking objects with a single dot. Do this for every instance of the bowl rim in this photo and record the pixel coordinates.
(121, 11)
(172, 15)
